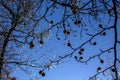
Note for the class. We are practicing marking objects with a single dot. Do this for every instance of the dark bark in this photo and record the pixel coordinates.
(115, 35)
(2, 55)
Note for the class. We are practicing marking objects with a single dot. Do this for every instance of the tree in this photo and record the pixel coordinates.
(88, 21)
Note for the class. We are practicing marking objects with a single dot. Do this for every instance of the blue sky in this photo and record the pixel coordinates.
(69, 69)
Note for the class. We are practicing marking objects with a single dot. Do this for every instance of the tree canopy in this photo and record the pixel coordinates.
(82, 26)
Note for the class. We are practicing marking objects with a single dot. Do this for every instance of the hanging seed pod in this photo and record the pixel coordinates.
(94, 43)
(80, 53)
(79, 21)
(99, 68)
(41, 42)
(68, 32)
(82, 49)
(69, 44)
(75, 57)
(51, 22)
(100, 26)
(81, 58)
(31, 45)
(113, 69)
(42, 73)
(104, 33)
(64, 31)
(101, 61)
